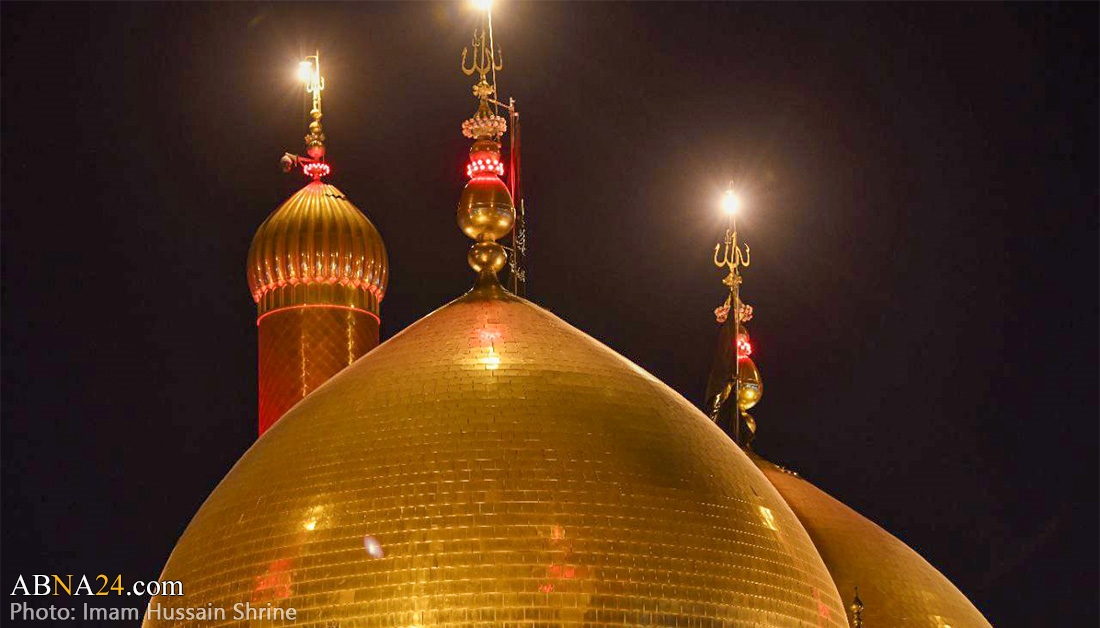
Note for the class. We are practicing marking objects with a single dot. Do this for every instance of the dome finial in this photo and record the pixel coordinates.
(735, 385)
(310, 71)
(857, 611)
(485, 210)
(314, 166)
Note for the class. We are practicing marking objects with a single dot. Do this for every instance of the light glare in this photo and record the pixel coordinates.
(305, 71)
(730, 202)
(483, 5)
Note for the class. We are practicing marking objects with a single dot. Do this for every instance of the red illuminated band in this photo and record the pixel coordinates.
(316, 170)
(744, 347)
(478, 166)
(318, 305)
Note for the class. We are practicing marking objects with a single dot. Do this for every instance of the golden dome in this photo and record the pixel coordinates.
(898, 588)
(492, 465)
(317, 248)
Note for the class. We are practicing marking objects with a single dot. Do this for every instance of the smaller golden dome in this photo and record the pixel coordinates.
(317, 249)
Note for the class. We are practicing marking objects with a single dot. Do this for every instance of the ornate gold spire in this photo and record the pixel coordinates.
(857, 611)
(310, 68)
(735, 378)
(314, 166)
(485, 210)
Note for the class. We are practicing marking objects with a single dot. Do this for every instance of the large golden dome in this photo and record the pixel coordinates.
(899, 588)
(317, 248)
(492, 465)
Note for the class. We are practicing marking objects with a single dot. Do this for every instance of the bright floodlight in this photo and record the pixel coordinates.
(483, 5)
(730, 202)
(305, 71)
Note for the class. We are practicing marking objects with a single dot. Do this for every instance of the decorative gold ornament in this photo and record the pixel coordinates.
(732, 259)
(485, 210)
(487, 257)
(315, 83)
(857, 611)
(483, 61)
(750, 387)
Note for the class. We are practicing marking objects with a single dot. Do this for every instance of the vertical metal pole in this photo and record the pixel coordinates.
(512, 185)
(493, 58)
(736, 307)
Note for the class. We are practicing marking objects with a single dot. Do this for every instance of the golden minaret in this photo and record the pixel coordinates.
(317, 270)
(491, 465)
(902, 590)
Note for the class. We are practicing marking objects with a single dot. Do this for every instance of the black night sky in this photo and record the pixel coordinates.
(921, 201)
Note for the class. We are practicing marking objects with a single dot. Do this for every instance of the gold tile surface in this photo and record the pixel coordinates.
(493, 466)
(898, 588)
(302, 347)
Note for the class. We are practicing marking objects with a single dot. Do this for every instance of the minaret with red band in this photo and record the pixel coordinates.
(317, 269)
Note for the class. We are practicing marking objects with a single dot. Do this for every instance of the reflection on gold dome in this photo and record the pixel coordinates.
(897, 587)
(557, 484)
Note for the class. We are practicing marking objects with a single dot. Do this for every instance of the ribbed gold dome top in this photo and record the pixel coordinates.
(492, 465)
(898, 588)
(317, 248)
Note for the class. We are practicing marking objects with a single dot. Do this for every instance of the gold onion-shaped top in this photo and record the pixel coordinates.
(899, 588)
(317, 249)
(493, 465)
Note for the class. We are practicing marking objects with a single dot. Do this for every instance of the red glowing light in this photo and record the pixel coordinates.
(275, 583)
(744, 347)
(478, 166)
(316, 170)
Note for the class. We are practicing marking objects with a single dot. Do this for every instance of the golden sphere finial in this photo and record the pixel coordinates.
(485, 209)
(750, 387)
(487, 257)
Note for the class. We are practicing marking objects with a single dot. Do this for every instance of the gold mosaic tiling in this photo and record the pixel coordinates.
(898, 588)
(303, 347)
(493, 466)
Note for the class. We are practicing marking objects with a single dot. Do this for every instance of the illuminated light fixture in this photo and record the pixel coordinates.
(483, 5)
(744, 347)
(310, 525)
(479, 166)
(316, 170)
(305, 71)
(730, 202)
